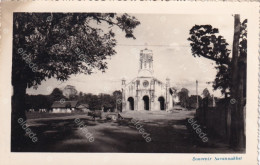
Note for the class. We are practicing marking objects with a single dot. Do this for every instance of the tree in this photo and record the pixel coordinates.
(70, 92)
(95, 103)
(86, 98)
(205, 93)
(184, 97)
(56, 95)
(117, 96)
(206, 43)
(231, 74)
(223, 79)
(47, 45)
(37, 102)
(238, 88)
(193, 101)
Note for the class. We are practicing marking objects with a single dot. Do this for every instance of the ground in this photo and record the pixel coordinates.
(167, 130)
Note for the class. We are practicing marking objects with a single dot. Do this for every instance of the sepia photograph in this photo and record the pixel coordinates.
(129, 83)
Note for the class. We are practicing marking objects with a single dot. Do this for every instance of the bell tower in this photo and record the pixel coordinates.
(146, 63)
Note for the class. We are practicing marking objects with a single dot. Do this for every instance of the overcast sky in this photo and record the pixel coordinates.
(172, 58)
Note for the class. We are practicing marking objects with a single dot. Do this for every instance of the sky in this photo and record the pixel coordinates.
(166, 36)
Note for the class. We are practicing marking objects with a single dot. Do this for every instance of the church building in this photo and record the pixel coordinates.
(145, 92)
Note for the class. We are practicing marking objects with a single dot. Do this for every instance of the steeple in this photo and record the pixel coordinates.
(146, 63)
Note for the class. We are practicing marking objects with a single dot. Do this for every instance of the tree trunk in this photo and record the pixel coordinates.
(237, 138)
(18, 111)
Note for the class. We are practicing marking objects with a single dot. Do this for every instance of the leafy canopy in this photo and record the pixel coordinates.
(206, 42)
(57, 45)
(184, 97)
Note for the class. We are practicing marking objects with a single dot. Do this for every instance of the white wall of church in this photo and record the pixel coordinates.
(146, 86)
(146, 92)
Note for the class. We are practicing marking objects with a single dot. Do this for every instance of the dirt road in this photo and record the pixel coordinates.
(167, 132)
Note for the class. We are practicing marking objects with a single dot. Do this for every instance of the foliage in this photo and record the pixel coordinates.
(206, 42)
(60, 44)
(243, 39)
(223, 79)
(56, 95)
(192, 102)
(37, 102)
(117, 96)
(95, 102)
(70, 92)
(184, 97)
(205, 93)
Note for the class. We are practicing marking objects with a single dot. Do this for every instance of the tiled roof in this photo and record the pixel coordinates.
(83, 106)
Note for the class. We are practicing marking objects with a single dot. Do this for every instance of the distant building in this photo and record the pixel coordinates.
(145, 92)
(175, 97)
(83, 107)
(64, 106)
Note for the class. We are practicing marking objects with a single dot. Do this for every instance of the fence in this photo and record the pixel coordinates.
(217, 120)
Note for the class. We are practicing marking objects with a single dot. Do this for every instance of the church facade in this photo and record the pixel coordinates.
(145, 92)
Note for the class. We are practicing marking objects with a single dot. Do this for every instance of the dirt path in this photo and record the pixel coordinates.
(167, 132)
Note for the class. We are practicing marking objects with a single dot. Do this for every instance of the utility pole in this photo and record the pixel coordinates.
(213, 101)
(197, 94)
(237, 139)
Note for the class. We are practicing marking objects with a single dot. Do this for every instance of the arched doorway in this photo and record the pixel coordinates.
(162, 103)
(146, 103)
(131, 103)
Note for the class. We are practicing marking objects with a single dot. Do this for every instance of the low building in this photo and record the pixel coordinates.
(64, 106)
(83, 107)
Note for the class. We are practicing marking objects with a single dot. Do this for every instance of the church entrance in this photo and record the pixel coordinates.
(162, 103)
(131, 103)
(146, 103)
